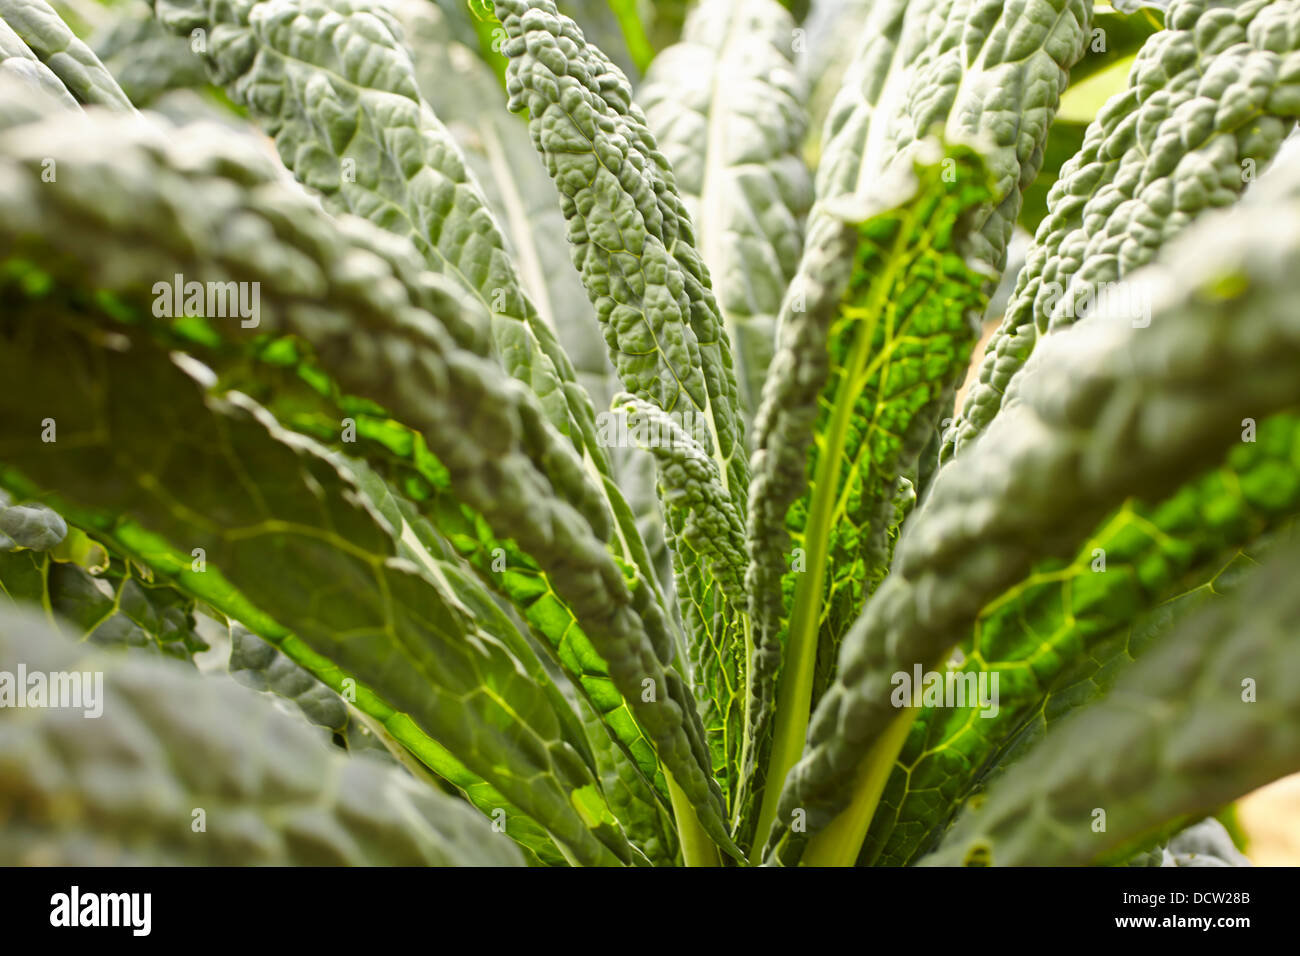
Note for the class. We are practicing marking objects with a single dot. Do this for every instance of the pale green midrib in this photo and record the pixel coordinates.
(892, 342)
(742, 789)
(719, 109)
(698, 848)
(399, 751)
(718, 460)
(794, 687)
(840, 841)
(47, 603)
(846, 826)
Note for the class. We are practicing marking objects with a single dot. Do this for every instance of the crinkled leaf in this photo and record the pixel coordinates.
(114, 608)
(54, 43)
(1057, 638)
(1208, 103)
(19, 62)
(727, 108)
(877, 367)
(466, 96)
(634, 246)
(332, 83)
(302, 547)
(313, 251)
(502, 457)
(990, 70)
(991, 73)
(1205, 716)
(172, 743)
(632, 239)
(32, 526)
(1110, 411)
(257, 664)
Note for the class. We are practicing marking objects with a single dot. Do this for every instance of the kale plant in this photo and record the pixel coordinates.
(643, 527)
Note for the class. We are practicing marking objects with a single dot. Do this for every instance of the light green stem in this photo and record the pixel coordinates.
(840, 842)
(697, 848)
(794, 689)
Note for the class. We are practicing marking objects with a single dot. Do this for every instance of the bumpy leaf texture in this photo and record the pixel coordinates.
(982, 71)
(30, 526)
(727, 108)
(704, 521)
(259, 665)
(878, 360)
(1111, 410)
(114, 608)
(514, 480)
(1058, 639)
(80, 588)
(171, 741)
(1208, 103)
(466, 96)
(333, 84)
(979, 68)
(377, 617)
(35, 24)
(19, 62)
(634, 247)
(633, 241)
(1207, 715)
